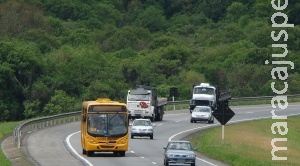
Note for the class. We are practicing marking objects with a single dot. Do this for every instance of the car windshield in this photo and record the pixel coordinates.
(141, 123)
(180, 146)
(201, 109)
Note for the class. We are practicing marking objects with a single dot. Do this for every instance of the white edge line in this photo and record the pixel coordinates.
(74, 151)
(170, 138)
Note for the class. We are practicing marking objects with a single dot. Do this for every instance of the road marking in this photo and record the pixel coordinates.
(170, 138)
(74, 151)
(174, 114)
(85, 160)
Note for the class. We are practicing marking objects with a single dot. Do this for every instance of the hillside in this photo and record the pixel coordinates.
(55, 54)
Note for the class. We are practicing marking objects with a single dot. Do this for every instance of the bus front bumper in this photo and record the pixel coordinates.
(105, 147)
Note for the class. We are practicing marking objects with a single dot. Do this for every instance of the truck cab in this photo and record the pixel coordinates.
(142, 102)
(205, 95)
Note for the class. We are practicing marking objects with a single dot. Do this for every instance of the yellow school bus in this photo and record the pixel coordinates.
(104, 127)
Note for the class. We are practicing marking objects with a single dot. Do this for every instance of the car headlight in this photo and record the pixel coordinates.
(133, 129)
(193, 115)
(191, 155)
(170, 155)
(150, 129)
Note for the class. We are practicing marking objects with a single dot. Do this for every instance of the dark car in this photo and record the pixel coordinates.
(179, 152)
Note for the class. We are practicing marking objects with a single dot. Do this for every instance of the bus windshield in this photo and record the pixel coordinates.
(107, 124)
(141, 97)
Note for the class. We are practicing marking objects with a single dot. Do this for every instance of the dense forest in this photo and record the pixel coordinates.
(56, 53)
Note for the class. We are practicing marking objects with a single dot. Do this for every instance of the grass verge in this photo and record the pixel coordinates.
(6, 128)
(249, 143)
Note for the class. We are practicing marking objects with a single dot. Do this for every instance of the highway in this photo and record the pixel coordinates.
(60, 145)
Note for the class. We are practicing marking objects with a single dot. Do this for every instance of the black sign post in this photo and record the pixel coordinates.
(223, 113)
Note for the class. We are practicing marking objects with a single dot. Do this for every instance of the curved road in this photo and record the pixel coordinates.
(60, 145)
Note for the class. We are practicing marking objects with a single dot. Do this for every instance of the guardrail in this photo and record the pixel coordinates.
(40, 123)
(237, 99)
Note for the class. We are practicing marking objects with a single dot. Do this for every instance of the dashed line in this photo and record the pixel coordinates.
(154, 163)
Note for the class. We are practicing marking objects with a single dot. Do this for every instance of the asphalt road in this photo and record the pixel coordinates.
(60, 145)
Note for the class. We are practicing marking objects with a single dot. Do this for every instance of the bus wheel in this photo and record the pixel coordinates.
(122, 154)
(83, 151)
(89, 153)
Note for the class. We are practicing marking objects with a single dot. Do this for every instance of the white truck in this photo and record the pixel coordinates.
(142, 102)
(207, 95)
(204, 94)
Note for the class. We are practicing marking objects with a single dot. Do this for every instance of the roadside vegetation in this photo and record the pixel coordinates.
(6, 128)
(55, 54)
(249, 143)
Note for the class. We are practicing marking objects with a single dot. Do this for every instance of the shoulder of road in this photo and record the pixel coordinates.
(21, 157)
(15, 155)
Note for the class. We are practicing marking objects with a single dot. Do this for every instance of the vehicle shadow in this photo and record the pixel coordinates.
(111, 154)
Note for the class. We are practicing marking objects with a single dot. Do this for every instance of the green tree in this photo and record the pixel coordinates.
(214, 9)
(19, 68)
(136, 38)
(152, 18)
(236, 10)
(294, 83)
(61, 103)
(17, 17)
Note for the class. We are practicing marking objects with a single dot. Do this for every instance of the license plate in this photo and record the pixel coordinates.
(138, 112)
(180, 161)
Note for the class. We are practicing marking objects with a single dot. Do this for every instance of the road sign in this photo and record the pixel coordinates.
(223, 113)
(173, 92)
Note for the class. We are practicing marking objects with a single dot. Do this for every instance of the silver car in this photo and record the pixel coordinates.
(202, 113)
(142, 127)
(179, 152)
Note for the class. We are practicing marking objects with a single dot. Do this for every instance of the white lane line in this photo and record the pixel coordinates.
(74, 151)
(90, 164)
(175, 114)
(170, 138)
(85, 160)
